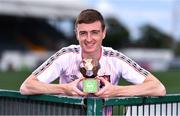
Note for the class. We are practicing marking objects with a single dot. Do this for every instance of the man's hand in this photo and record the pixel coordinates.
(108, 90)
(150, 87)
(71, 89)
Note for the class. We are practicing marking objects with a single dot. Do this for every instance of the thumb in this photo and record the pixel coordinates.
(79, 79)
(103, 80)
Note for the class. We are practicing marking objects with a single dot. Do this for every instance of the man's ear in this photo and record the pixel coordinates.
(76, 33)
(104, 33)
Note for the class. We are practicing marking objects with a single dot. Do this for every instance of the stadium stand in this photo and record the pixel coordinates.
(24, 33)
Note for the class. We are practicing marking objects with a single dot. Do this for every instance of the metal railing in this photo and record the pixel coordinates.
(13, 103)
(148, 106)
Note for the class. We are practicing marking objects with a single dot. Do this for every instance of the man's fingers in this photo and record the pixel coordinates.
(79, 79)
(100, 92)
(79, 92)
(103, 80)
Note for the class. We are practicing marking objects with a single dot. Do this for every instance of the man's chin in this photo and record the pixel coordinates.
(89, 51)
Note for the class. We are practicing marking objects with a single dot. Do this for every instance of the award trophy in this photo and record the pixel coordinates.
(89, 69)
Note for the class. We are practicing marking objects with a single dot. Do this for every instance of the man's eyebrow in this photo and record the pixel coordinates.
(89, 31)
(95, 30)
(82, 31)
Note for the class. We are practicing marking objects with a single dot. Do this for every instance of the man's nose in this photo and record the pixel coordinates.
(89, 37)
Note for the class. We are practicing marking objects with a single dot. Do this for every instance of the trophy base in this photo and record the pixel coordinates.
(90, 85)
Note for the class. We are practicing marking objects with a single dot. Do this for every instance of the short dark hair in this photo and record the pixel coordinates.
(89, 16)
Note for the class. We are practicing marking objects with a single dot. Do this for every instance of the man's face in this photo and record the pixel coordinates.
(90, 37)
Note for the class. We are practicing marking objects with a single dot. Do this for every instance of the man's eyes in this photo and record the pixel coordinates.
(95, 32)
(92, 32)
(83, 33)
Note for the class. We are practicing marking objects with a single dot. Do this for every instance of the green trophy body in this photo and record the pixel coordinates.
(90, 85)
(89, 69)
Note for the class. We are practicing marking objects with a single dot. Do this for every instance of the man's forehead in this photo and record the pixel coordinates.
(88, 27)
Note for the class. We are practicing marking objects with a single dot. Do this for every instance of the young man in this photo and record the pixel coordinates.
(64, 64)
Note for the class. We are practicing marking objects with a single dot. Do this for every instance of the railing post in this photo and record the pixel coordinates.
(94, 106)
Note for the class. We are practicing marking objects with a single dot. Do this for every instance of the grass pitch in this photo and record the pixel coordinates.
(13, 80)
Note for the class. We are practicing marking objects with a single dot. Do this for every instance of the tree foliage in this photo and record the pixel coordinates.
(117, 34)
(151, 37)
(177, 49)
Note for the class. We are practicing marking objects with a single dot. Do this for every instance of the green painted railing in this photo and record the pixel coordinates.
(13, 103)
(148, 106)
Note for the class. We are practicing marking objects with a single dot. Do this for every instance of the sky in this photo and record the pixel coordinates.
(163, 14)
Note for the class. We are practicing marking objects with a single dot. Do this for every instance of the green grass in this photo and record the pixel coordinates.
(170, 79)
(13, 80)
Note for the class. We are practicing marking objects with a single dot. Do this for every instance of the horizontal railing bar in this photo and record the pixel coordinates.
(122, 101)
(141, 100)
(50, 98)
(107, 101)
(163, 99)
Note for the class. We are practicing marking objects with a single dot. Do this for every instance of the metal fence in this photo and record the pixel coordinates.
(13, 103)
(148, 106)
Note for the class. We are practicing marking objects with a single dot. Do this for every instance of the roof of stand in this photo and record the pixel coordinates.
(42, 8)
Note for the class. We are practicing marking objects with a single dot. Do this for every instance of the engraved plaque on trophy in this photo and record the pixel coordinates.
(89, 69)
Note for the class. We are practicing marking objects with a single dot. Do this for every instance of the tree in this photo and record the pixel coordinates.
(153, 38)
(177, 49)
(117, 34)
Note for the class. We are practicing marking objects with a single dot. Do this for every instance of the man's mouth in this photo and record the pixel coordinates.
(89, 44)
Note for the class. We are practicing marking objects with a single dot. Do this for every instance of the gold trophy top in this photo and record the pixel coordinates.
(89, 68)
